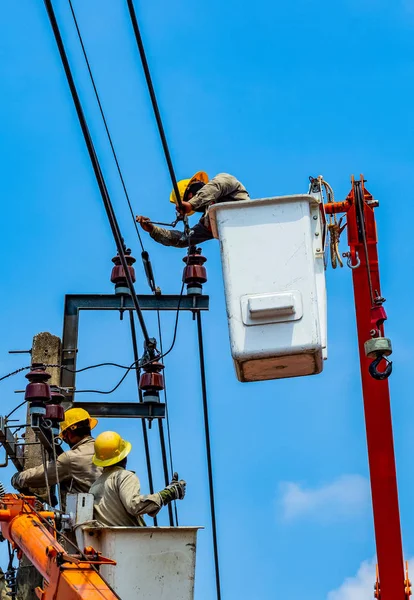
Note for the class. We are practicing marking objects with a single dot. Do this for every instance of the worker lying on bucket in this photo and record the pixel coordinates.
(197, 195)
(118, 500)
(74, 468)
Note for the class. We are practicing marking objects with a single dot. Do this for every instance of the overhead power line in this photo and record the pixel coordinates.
(208, 449)
(97, 169)
(154, 102)
(157, 114)
(143, 422)
(167, 414)
(121, 177)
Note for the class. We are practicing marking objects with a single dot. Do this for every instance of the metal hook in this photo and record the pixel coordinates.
(380, 375)
(349, 261)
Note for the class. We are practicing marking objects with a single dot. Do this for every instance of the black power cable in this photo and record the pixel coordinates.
(208, 451)
(14, 372)
(167, 416)
(165, 467)
(97, 169)
(141, 364)
(154, 102)
(105, 122)
(144, 425)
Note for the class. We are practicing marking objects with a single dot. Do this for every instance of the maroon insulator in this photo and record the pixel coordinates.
(152, 378)
(194, 271)
(56, 395)
(55, 412)
(38, 388)
(118, 273)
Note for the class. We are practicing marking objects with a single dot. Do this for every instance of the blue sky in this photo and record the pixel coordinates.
(273, 93)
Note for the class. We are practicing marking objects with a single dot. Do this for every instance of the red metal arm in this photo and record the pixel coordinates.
(369, 316)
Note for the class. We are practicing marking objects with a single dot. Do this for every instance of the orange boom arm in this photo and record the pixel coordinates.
(66, 577)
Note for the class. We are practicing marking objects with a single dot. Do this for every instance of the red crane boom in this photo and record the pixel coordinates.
(370, 316)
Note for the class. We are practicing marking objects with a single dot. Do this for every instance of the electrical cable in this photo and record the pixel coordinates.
(165, 467)
(106, 364)
(59, 492)
(127, 368)
(14, 409)
(141, 365)
(14, 372)
(105, 124)
(44, 461)
(208, 451)
(167, 418)
(154, 102)
(146, 261)
(97, 170)
(106, 392)
(143, 422)
(145, 432)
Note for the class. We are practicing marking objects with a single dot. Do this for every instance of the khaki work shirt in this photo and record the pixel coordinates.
(75, 470)
(222, 188)
(118, 500)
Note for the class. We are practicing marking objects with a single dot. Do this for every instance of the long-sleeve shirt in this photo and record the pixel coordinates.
(222, 188)
(75, 470)
(118, 499)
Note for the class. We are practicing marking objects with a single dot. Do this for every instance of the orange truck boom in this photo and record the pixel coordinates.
(67, 577)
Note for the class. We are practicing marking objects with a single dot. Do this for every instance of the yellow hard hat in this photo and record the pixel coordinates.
(110, 449)
(185, 183)
(74, 416)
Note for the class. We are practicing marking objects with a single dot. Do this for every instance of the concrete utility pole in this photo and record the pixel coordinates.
(45, 349)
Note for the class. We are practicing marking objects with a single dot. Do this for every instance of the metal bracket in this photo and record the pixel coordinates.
(74, 303)
(120, 410)
(42, 437)
(11, 447)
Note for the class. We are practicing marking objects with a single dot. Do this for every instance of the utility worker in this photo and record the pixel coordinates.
(118, 500)
(197, 195)
(74, 468)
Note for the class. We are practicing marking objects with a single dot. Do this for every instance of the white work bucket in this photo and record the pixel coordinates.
(155, 563)
(274, 281)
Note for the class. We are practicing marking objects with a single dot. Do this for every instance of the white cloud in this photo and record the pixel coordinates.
(361, 586)
(347, 496)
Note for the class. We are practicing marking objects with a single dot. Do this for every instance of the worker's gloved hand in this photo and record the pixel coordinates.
(185, 208)
(14, 481)
(174, 491)
(145, 224)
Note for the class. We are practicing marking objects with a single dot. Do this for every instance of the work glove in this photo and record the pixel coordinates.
(14, 481)
(174, 491)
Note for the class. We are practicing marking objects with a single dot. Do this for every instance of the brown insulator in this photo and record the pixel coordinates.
(118, 273)
(55, 412)
(37, 389)
(195, 273)
(152, 377)
(56, 395)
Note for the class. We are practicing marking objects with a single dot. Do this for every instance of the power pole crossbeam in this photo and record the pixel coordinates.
(75, 303)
